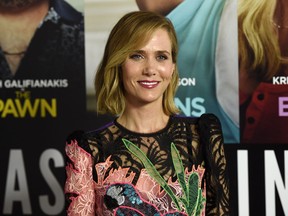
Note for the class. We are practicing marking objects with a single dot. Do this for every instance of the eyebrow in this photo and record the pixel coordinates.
(158, 51)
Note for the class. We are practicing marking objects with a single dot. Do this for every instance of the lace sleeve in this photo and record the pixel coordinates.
(216, 175)
(79, 186)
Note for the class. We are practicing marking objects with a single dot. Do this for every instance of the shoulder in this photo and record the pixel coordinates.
(84, 138)
(210, 129)
(209, 119)
(67, 12)
(184, 119)
(207, 126)
(206, 119)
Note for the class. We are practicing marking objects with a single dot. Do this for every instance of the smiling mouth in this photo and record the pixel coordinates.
(148, 84)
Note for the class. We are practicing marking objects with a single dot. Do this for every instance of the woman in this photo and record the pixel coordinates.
(263, 52)
(148, 161)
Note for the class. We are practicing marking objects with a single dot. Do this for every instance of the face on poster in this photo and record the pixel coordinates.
(41, 57)
(263, 83)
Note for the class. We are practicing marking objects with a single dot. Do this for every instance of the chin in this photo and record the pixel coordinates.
(17, 4)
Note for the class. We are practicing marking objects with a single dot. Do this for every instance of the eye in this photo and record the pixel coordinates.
(136, 56)
(162, 57)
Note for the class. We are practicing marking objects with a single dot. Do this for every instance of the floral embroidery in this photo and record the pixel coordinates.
(91, 195)
(192, 199)
(79, 181)
(131, 202)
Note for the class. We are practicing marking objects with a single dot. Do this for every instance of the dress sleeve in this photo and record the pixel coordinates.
(217, 187)
(79, 185)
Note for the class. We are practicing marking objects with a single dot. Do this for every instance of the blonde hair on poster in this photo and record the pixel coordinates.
(259, 50)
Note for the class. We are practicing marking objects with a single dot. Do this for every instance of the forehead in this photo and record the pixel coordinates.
(159, 37)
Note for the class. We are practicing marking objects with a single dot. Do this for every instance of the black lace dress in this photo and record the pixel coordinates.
(179, 170)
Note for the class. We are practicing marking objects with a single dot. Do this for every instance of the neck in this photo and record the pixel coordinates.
(17, 27)
(143, 120)
(26, 10)
(21, 21)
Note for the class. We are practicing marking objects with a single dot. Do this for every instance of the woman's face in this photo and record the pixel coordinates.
(147, 71)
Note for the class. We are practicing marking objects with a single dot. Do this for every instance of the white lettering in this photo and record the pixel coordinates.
(16, 175)
(187, 82)
(56, 157)
(243, 182)
(280, 80)
(274, 180)
(46, 83)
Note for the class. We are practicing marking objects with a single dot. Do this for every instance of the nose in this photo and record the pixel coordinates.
(149, 68)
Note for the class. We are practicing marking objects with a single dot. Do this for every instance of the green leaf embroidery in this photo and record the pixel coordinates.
(179, 168)
(192, 199)
(151, 170)
(193, 192)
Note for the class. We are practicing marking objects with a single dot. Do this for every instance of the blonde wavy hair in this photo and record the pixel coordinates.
(131, 32)
(259, 51)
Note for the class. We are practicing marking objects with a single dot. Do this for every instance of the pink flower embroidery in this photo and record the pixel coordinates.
(79, 181)
(88, 195)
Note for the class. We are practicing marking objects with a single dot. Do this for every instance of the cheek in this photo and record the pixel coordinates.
(169, 72)
(128, 72)
(126, 68)
(127, 77)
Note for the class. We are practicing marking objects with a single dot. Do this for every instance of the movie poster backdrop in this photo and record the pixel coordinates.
(52, 95)
(39, 107)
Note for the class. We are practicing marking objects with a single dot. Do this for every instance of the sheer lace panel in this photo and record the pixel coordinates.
(157, 147)
(199, 142)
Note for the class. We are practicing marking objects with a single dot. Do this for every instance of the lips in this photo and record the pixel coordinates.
(148, 84)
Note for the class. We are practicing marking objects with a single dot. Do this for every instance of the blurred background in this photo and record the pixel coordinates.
(100, 17)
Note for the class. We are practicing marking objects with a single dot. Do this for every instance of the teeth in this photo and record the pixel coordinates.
(149, 83)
